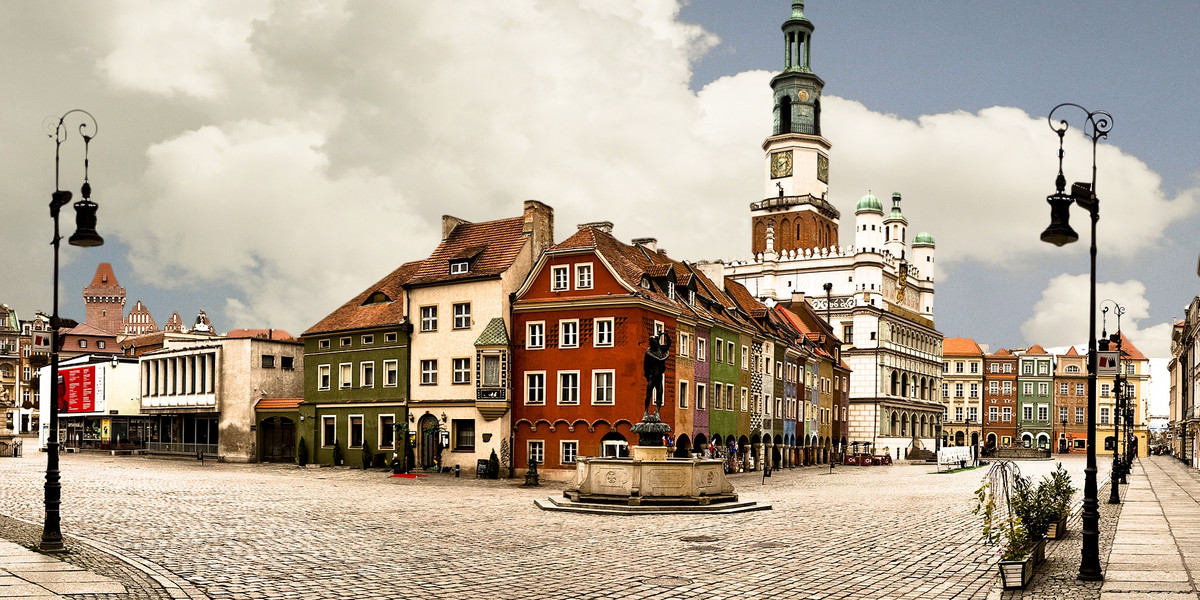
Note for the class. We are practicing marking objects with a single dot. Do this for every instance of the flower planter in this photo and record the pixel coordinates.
(1016, 574)
(1058, 530)
(1039, 553)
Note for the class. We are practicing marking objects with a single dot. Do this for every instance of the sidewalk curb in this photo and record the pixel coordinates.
(177, 588)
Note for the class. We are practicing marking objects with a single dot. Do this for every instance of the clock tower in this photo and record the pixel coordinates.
(795, 207)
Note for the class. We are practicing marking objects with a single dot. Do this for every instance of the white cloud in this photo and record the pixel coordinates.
(1060, 317)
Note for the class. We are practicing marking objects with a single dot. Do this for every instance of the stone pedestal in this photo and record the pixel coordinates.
(649, 453)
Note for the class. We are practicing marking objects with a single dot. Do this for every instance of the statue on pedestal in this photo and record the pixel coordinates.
(651, 430)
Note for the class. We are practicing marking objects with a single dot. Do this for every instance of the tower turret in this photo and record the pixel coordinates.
(895, 230)
(104, 301)
(868, 225)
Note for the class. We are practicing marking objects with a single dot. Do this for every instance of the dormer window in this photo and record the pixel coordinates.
(671, 290)
(377, 298)
(459, 267)
(646, 283)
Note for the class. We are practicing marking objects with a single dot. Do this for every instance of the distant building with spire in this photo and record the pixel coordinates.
(104, 300)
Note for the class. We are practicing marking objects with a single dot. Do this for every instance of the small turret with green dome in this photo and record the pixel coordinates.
(923, 239)
(869, 203)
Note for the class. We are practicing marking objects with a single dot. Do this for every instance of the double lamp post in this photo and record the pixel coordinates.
(1097, 125)
(85, 235)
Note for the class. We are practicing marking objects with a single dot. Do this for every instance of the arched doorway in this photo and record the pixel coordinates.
(699, 443)
(683, 446)
(1026, 440)
(428, 442)
(1043, 441)
(277, 439)
(959, 438)
(614, 445)
(974, 440)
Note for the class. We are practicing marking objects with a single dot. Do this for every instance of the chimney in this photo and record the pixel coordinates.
(662, 251)
(448, 225)
(714, 270)
(648, 243)
(797, 297)
(605, 226)
(538, 226)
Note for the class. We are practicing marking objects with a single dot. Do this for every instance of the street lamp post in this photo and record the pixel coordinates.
(1065, 443)
(1058, 233)
(85, 235)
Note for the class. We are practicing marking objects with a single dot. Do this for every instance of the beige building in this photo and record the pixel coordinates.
(1136, 368)
(201, 394)
(962, 392)
(458, 302)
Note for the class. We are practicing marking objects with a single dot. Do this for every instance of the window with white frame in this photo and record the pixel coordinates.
(367, 340)
(535, 335)
(701, 349)
(429, 371)
(974, 367)
(583, 276)
(701, 396)
(1104, 415)
(537, 451)
(568, 333)
(345, 341)
(464, 434)
(323, 344)
(958, 390)
(328, 430)
(1043, 412)
(745, 400)
(391, 373)
(731, 348)
(995, 368)
(745, 358)
(560, 278)
(1063, 388)
(569, 450)
(535, 387)
(1027, 412)
(346, 375)
(1027, 368)
(491, 369)
(958, 413)
(389, 338)
(461, 370)
(1043, 368)
(568, 387)
(1079, 389)
(1007, 412)
(974, 390)
(1006, 388)
(1027, 388)
(429, 318)
(1043, 388)
(684, 393)
(1008, 367)
(1062, 414)
(993, 387)
(685, 344)
(945, 390)
(462, 315)
(1078, 415)
(322, 377)
(459, 267)
(366, 374)
(993, 413)
(973, 413)
(356, 431)
(387, 432)
(602, 332)
(729, 396)
(958, 366)
(718, 350)
(604, 386)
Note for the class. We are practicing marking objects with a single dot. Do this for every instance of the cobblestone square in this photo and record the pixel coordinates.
(279, 531)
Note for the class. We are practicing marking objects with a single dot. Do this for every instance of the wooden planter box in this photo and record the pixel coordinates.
(1016, 574)
(1058, 530)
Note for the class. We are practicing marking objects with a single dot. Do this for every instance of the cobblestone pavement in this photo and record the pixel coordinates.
(279, 531)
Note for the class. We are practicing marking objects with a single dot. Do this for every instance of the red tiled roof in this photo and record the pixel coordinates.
(1001, 352)
(1128, 349)
(278, 403)
(960, 347)
(1071, 352)
(1035, 349)
(89, 330)
(495, 244)
(271, 334)
(744, 299)
(357, 315)
(104, 276)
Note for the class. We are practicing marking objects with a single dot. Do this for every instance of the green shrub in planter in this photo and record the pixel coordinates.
(1061, 492)
(302, 453)
(493, 468)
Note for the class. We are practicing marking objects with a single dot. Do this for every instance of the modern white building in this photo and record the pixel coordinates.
(99, 409)
(877, 292)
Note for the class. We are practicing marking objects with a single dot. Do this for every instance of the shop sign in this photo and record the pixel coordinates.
(83, 389)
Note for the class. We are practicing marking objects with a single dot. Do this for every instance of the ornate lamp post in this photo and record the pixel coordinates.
(1058, 233)
(1117, 477)
(85, 235)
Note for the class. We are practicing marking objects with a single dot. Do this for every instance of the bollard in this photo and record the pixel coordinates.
(457, 469)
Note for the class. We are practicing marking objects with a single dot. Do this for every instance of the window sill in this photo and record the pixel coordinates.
(464, 450)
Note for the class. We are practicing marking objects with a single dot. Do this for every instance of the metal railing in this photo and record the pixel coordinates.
(181, 448)
(10, 449)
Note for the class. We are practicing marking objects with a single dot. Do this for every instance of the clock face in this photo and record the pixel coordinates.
(823, 168)
(781, 164)
(803, 95)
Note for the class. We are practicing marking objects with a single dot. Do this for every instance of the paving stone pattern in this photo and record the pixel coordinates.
(278, 531)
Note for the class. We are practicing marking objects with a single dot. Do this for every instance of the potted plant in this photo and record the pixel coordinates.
(1033, 508)
(1061, 492)
(1006, 505)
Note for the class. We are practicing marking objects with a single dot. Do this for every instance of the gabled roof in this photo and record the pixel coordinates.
(1035, 349)
(960, 347)
(1071, 352)
(1128, 349)
(744, 299)
(104, 276)
(85, 329)
(1001, 353)
(493, 244)
(355, 314)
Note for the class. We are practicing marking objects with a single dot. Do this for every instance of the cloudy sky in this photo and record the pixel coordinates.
(265, 161)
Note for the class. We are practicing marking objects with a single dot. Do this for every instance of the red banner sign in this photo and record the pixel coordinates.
(81, 387)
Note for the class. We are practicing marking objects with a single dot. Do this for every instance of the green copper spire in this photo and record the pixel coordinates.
(797, 88)
(798, 9)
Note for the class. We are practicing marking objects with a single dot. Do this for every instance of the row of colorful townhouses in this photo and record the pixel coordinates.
(1030, 398)
(1183, 428)
(501, 342)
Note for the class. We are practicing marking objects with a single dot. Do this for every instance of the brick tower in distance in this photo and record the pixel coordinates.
(105, 301)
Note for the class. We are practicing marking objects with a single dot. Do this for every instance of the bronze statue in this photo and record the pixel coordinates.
(654, 365)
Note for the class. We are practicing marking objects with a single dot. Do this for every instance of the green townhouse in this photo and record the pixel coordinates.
(356, 377)
(1035, 399)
